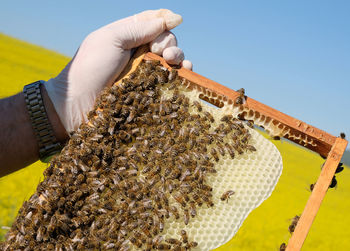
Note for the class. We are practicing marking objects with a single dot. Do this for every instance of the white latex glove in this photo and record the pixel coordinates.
(103, 55)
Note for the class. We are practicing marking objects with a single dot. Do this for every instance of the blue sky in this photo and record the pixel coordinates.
(291, 55)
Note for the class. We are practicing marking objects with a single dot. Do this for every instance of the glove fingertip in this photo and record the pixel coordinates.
(173, 55)
(187, 64)
(172, 20)
(163, 41)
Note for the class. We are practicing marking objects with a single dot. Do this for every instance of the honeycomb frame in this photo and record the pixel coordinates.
(276, 123)
(46, 218)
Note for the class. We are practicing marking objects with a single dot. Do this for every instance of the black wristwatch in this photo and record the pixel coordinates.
(48, 144)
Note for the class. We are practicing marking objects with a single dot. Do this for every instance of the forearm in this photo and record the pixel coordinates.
(18, 144)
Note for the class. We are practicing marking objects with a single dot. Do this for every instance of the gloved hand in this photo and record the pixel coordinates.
(103, 55)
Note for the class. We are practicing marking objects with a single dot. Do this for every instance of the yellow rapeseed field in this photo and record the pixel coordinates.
(265, 228)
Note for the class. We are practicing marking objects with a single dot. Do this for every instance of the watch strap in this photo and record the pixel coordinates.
(48, 144)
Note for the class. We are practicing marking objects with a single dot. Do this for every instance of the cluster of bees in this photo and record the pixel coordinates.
(141, 162)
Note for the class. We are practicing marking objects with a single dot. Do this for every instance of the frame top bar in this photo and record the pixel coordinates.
(322, 141)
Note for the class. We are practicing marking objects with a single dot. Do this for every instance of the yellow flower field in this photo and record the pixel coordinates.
(265, 228)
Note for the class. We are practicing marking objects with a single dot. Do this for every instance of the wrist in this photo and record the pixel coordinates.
(57, 126)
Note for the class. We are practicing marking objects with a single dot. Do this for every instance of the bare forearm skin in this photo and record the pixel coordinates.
(18, 144)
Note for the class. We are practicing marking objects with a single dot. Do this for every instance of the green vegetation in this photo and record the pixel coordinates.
(265, 228)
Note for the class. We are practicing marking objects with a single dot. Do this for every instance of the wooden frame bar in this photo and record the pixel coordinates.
(327, 145)
(317, 195)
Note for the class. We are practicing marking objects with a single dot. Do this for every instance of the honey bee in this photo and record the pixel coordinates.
(135, 241)
(155, 228)
(240, 99)
(197, 105)
(210, 169)
(133, 75)
(143, 208)
(219, 129)
(129, 98)
(193, 210)
(312, 187)
(125, 246)
(186, 216)
(195, 131)
(163, 76)
(164, 198)
(175, 212)
(184, 236)
(40, 233)
(163, 246)
(163, 109)
(208, 201)
(144, 101)
(174, 241)
(146, 169)
(158, 201)
(145, 230)
(179, 248)
(167, 171)
(191, 143)
(137, 233)
(161, 224)
(170, 185)
(149, 244)
(150, 93)
(226, 118)
(185, 100)
(221, 149)
(154, 181)
(191, 244)
(185, 174)
(250, 148)
(172, 75)
(294, 223)
(109, 245)
(157, 240)
(176, 173)
(197, 199)
(214, 153)
(204, 187)
(131, 116)
(238, 122)
(124, 136)
(283, 247)
(172, 85)
(340, 168)
(156, 171)
(237, 147)
(179, 199)
(333, 182)
(226, 195)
